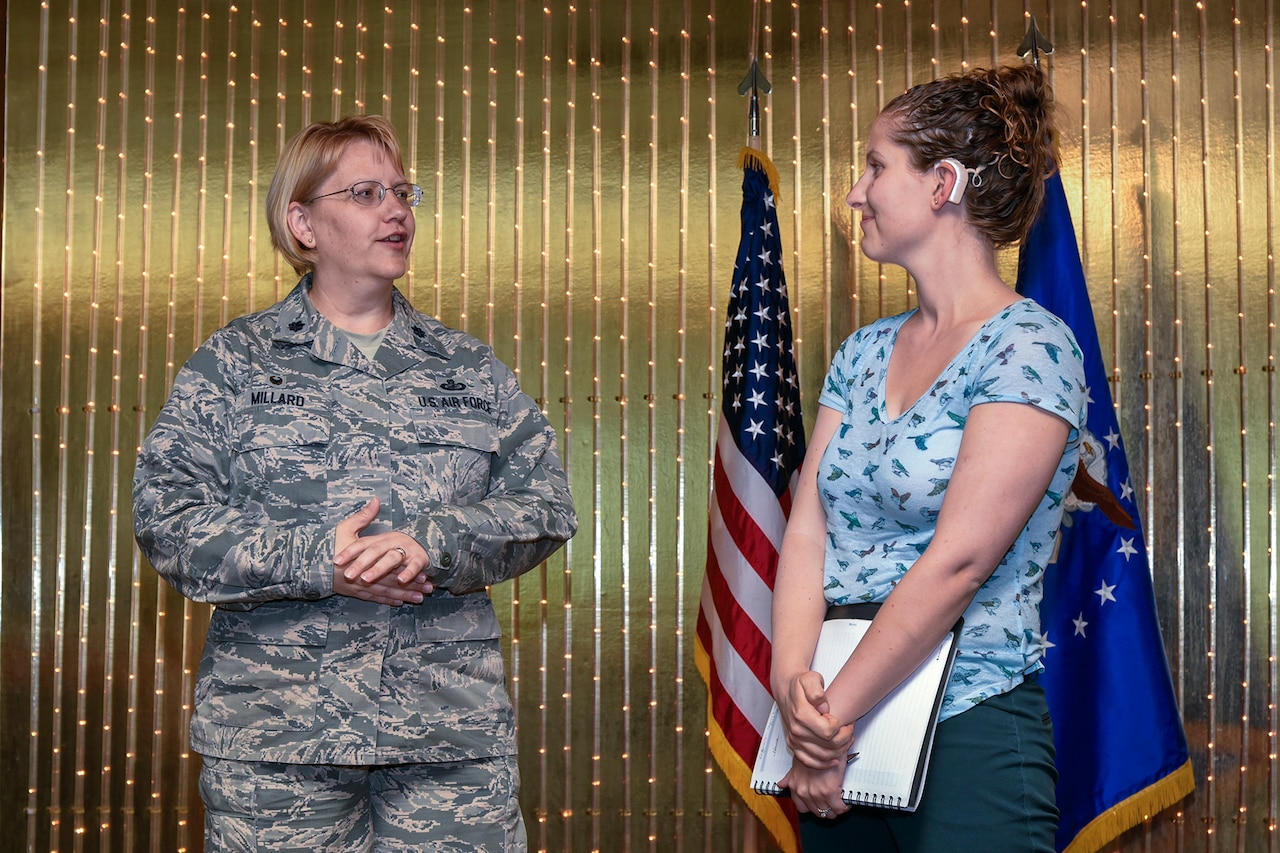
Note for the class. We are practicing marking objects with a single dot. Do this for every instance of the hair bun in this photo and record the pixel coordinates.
(1000, 118)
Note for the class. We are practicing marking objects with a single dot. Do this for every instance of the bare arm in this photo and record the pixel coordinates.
(1007, 459)
(799, 606)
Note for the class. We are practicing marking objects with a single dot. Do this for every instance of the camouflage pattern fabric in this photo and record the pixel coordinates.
(445, 808)
(278, 428)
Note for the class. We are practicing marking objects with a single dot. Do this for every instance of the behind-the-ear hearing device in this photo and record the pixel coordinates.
(962, 178)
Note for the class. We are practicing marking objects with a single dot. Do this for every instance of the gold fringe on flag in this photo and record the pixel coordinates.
(735, 770)
(1132, 811)
(755, 157)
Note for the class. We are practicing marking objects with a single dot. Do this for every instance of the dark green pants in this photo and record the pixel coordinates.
(990, 787)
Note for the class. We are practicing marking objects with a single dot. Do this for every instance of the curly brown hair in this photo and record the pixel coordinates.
(999, 119)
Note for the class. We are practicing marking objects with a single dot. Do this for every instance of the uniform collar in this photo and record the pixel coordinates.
(298, 322)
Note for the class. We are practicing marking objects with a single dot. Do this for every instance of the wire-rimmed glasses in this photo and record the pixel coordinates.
(371, 193)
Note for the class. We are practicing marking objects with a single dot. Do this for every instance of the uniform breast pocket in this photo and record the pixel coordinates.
(452, 458)
(260, 667)
(279, 463)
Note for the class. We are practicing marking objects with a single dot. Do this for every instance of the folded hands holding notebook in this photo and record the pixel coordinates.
(892, 742)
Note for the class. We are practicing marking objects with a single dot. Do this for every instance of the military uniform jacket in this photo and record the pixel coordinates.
(276, 429)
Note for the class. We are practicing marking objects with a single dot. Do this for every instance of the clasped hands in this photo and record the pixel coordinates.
(386, 568)
(820, 743)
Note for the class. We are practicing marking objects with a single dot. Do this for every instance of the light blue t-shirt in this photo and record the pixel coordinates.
(881, 481)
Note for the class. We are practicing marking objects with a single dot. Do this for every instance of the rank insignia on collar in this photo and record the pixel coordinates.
(419, 331)
(297, 326)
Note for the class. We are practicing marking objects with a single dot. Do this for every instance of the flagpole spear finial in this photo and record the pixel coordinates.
(754, 84)
(1034, 43)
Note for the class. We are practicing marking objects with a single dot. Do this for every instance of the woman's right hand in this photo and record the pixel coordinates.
(386, 590)
(816, 737)
(383, 574)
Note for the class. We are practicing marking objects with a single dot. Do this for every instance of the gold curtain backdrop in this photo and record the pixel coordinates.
(581, 214)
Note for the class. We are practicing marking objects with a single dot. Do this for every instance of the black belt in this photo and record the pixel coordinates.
(851, 611)
(864, 611)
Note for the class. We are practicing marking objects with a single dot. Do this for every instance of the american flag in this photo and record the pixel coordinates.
(759, 448)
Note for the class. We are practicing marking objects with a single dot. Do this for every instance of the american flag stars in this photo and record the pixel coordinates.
(759, 446)
(759, 362)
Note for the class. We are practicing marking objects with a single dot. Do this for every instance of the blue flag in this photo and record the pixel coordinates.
(1121, 749)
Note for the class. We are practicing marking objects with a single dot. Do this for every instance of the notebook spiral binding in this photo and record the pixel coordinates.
(884, 801)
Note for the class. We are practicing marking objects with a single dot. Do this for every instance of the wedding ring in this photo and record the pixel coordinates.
(824, 812)
(404, 555)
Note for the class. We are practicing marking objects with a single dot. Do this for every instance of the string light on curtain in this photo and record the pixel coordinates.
(133, 204)
(566, 400)
(595, 811)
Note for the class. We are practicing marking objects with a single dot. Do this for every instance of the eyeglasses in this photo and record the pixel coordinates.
(371, 194)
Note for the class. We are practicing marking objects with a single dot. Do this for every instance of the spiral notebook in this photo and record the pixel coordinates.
(892, 741)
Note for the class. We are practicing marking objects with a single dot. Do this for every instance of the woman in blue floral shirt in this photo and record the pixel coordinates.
(945, 443)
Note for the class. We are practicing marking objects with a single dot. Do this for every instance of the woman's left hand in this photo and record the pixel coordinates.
(368, 559)
(816, 791)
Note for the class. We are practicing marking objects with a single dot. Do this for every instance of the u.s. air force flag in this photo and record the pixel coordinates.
(1121, 750)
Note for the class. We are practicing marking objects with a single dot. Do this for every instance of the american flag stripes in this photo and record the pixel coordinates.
(759, 448)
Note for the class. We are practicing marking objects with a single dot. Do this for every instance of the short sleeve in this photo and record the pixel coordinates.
(1033, 358)
(844, 366)
(833, 388)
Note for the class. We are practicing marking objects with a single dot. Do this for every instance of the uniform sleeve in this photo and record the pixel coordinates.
(1035, 361)
(207, 549)
(525, 516)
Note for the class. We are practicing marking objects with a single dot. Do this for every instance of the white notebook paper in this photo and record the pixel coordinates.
(892, 741)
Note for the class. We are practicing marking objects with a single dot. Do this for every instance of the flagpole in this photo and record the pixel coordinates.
(752, 86)
(750, 824)
(1104, 659)
(756, 82)
(759, 446)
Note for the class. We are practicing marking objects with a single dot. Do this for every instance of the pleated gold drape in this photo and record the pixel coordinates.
(581, 214)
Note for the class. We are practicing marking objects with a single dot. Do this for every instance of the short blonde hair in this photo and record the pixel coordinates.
(306, 161)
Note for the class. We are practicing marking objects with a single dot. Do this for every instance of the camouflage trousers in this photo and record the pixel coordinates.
(453, 807)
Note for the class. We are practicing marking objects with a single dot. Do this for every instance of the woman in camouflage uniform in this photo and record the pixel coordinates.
(342, 476)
